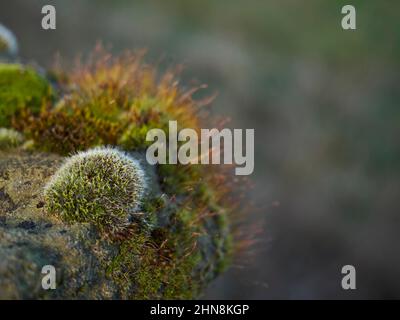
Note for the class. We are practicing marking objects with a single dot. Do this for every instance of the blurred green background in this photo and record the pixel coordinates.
(325, 106)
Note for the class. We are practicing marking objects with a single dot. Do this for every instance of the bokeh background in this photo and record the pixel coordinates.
(325, 106)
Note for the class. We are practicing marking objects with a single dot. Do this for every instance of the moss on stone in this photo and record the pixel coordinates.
(181, 238)
(161, 263)
(20, 87)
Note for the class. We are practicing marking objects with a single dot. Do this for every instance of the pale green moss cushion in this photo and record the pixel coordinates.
(10, 138)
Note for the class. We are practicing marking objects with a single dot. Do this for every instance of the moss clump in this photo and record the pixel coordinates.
(20, 87)
(161, 262)
(102, 186)
(183, 238)
(10, 138)
(63, 132)
(111, 101)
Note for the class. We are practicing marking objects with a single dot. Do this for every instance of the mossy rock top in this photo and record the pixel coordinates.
(90, 218)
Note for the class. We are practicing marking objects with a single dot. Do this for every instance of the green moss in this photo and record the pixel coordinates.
(167, 267)
(10, 138)
(20, 87)
(124, 265)
(134, 138)
(66, 131)
(102, 186)
(159, 262)
(179, 179)
(187, 180)
(223, 243)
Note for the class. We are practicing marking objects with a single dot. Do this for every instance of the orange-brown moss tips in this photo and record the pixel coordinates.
(103, 186)
(63, 132)
(109, 101)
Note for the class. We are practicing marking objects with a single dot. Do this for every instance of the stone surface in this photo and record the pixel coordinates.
(31, 239)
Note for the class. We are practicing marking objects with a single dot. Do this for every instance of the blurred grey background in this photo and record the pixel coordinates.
(325, 106)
